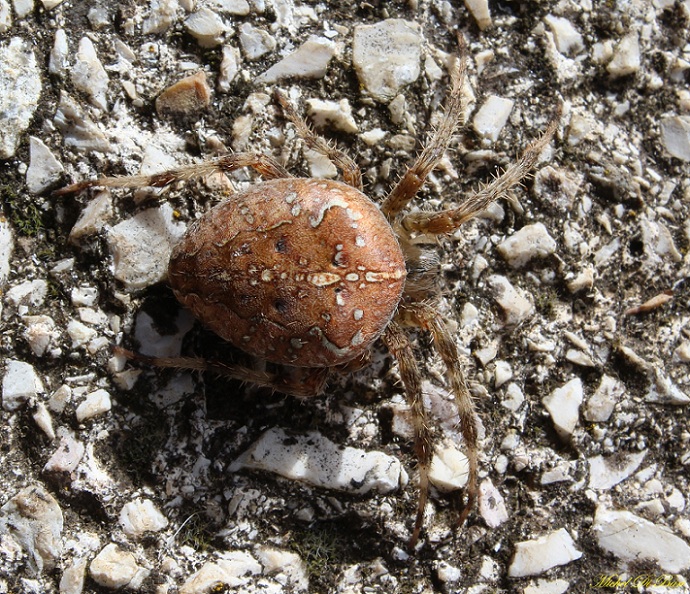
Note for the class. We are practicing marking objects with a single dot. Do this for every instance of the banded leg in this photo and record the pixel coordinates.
(424, 316)
(351, 173)
(302, 382)
(414, 177)
(400, 348)
(268, 167)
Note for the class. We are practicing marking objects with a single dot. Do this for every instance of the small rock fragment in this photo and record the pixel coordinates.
(88, 74)
(600, 406)
(141, 516)
(605, 473)
(96, 403)
(72, 580)
(449, 468)
(229, 67)
(40, 333)
(663, 390)
(28, 293)
(255, 42)
(318, 461)
(141, 246)
(567, 37)
(675, 136)
(286, 563)
(20, 82)
(68, 454)
(492, 506)
(492, 116)
(206, 26)
(59, 54)
(162, 15)
(44, 169)
(480, 11)
(563, 405)
(336, 115)
(632, 538)
(78, 130)
(19, 384)
(33, 519)
(516, 307)
(532, 241)
(310, 60)
(115, 568)
(626, 57)
(533, 557)
(188, 96)
(50, 4)
(231, 570)
(44, 421)
(80, 333)
(387, 56)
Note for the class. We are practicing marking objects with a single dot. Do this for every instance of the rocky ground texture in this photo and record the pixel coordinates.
(569, 301)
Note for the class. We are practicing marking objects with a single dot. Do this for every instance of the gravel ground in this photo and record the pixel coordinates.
(568, 301)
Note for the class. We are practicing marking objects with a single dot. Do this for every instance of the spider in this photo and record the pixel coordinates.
(310, 273)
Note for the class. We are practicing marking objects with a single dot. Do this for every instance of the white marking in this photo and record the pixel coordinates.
(352, 277)
(359, 241)
(315, 221)
(357, 339)
(323, 279)
(296, 209)
(339, 299)
(297, 343)
(290, 198)
(358, 314)
(267, 275)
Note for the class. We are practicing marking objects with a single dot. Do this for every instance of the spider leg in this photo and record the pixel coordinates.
(414, 177)
(447, 221)
(400, 348)
(268, 167)
(351, 173)
(302, 382)
(425, 316)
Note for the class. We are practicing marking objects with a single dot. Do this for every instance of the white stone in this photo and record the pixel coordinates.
(547, 587)
(156, 345)
(492, 116)
(479, 9)
(600, 406)
(502, 374)
(114, 567)
(58, 62)
(19, 384)
(534, 557)
(206, 26)
(43, 419)
(675, 136)
(80, 333)
(40, 333)
(530, 242)
(310, 60)
(141, 516)
(44, 169)
(20, 90)
(33, 519)
(563, 404)
(320, 166)
(6, 247)
(72, 579)
(449, 468)
(663, 390)
(514, 397)
(255, 42)
(5, 16)
(658, 242)
(28, 293)
(492, 506)
(314, 459)
(229, 67)
(162, 15)
(78, 130)
(141, 246)
(59, 399)
(96, 403)
(336, 115)
(626, 57)
(516, 307)
(634, 539)
(50, 4)
(231, 570)
(237, 7)
(606, 472)
(387, 56)
(567, 37)
(277, 562)
(88, 74)
(68, 454)
(84, 296)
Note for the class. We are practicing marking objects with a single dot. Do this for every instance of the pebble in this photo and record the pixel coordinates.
(68, 454)
(601, 404)
(231, 569)
(492, 116)
(449, 468)
(632, 538)
(114, 567)
(20, 89)
(387, 56)
(658, 242)
(309, 61)
(606, 472)
(492, 506)
(88, 74)
(626, 57)
(28, 293)
(563, 404)
(336, 115)
(20, 383)
(556, 187)
(567, 37)
(188, 96)
(530, 242)
(502, 373)
(78, 130)
(547, 587)
(44, 169)
(141, 246)
(95, 404)
(318, 461)
(479, 9)
(534, 557)
(516, 307)
(44, 420)
(514, 397)
(80, 333)
(162, 15)
(59, 55)
(236, 7)
(229, 67)
(40, 333)
(675, 136)
(141, 516)
(72, 580)
(285, 566)
(663, 390)
(255, 42)
(33, 519)
(206, 27)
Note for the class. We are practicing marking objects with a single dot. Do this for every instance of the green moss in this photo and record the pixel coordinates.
(26, 217)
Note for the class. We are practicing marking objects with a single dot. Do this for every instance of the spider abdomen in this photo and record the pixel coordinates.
(304, 272)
